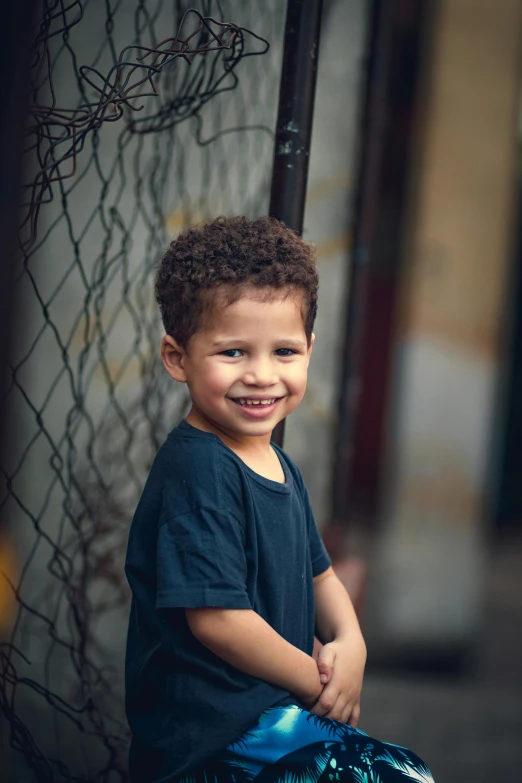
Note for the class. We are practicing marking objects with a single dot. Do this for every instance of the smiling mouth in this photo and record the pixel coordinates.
(251, 402)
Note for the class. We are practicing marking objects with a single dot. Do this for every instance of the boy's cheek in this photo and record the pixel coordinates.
(301, 376)
(212, 376)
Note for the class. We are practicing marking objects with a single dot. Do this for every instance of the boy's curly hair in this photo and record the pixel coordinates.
(232, 253)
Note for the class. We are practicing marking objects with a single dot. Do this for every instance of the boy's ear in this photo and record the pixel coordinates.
(312, 341)
(173, 358)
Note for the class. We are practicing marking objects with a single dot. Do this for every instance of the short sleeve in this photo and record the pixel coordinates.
(320, 558)
(201, 561)
(318, 554)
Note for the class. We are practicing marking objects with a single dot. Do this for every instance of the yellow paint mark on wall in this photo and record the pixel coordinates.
(177, 220)
(8, 570)
(335, 245)
(326, 187)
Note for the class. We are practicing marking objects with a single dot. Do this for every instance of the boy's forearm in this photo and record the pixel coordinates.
(243, 639)
(334, 612)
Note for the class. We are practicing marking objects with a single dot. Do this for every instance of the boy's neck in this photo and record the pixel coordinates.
(244, 446)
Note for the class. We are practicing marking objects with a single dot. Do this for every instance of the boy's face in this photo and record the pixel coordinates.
(246, 369)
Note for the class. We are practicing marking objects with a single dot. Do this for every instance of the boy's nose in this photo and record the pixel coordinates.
(260, 373)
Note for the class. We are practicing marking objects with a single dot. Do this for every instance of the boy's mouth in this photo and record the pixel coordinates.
(253, 401)
(256, 407)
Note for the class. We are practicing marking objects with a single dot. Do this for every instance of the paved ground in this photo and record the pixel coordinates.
(467, 726)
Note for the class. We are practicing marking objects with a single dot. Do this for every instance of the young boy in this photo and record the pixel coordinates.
(230, 579)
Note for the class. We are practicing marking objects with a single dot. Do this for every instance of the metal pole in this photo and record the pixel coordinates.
(397, 44)
(294, 121)
(15, 59)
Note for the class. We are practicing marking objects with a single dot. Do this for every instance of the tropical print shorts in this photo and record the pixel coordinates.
(290, 745)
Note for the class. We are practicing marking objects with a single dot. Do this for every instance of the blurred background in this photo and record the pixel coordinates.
(142, 118)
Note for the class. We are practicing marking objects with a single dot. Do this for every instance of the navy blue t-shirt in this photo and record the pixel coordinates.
(209, 531)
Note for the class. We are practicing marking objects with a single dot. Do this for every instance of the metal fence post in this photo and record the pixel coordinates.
(294, 120)
(15, 58)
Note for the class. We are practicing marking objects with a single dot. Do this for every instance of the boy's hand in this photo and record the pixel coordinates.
(341, 668)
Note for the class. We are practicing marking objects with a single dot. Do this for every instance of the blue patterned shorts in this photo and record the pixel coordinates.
(290, 744)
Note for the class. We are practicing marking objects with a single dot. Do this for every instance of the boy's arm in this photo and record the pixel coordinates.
(334, 613)
(344, 653)
(243, 639)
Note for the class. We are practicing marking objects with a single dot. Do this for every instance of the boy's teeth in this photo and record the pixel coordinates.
(256, 402)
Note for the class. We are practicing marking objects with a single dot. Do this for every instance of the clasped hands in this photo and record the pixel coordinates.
(341, 670)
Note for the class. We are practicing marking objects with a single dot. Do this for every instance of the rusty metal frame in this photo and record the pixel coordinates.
(396, 46)
(294, 121)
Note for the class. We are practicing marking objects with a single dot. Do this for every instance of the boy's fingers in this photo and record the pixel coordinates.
(347, 714)
(337, 711)
(325, 702)
(354, 717)
(325, 662)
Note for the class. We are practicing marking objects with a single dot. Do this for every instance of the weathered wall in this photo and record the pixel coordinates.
(82, 437)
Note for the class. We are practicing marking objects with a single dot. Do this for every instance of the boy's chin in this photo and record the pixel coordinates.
(232, 427)
(255, 429)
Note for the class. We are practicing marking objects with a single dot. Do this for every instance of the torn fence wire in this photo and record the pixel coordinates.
(56, 135)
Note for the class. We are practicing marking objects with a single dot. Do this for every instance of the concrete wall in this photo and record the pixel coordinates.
(90, 397)
(91, 400)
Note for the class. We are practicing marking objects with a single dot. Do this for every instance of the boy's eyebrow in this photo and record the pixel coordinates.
(288, 341)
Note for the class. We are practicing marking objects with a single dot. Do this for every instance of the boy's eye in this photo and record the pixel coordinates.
(233, 353)
(285, 352)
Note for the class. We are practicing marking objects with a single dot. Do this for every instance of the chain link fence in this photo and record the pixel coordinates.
(146, 116)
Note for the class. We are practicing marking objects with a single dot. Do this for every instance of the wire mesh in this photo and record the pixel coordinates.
(145, 116)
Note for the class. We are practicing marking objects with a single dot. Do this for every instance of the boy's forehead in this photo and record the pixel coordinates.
(224, 297)
(243, 291)
(228, 305)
